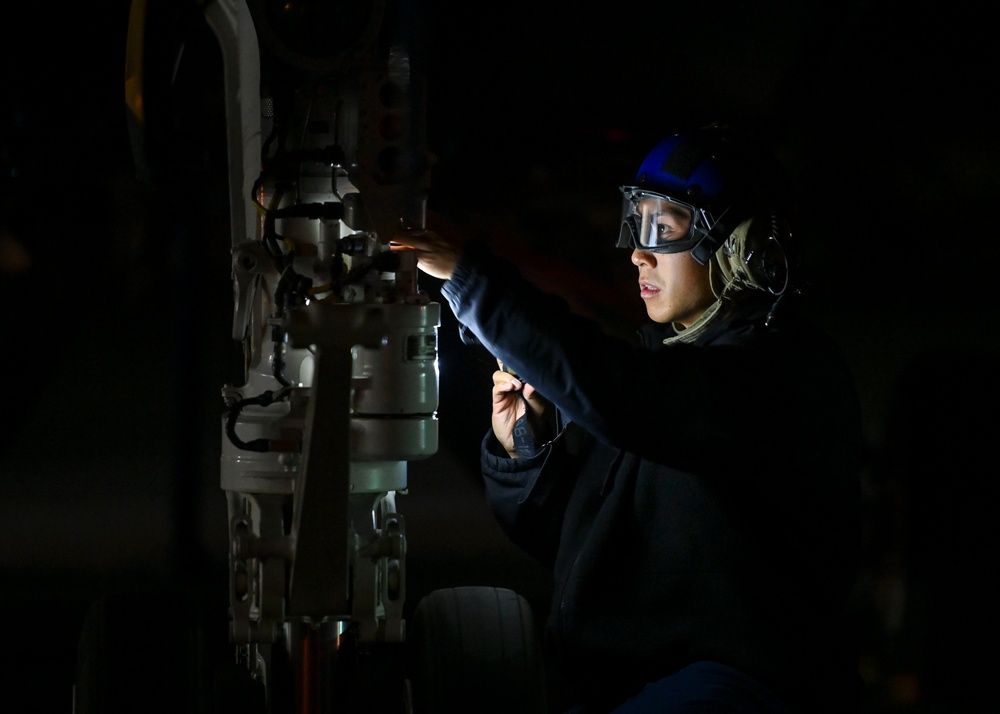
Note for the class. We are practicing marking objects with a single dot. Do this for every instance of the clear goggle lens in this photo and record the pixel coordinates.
(657, 223)
(662, 223)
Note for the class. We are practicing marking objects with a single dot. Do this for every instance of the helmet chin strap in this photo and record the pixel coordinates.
(718, 273)
(689, 334)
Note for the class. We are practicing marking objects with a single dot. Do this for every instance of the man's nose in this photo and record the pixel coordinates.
(643, 257)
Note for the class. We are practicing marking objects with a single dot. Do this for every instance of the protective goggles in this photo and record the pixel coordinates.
(661, 224)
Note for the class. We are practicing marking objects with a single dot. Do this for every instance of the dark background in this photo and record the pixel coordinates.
(116, 298)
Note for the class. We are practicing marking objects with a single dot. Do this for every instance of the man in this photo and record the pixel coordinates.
(697, 496)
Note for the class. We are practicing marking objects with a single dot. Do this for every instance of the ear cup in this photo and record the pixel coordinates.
(766, 254)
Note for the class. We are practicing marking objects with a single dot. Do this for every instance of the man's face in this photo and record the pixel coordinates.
(674, 286)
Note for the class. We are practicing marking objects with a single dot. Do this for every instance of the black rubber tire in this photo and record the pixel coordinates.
(475, 649)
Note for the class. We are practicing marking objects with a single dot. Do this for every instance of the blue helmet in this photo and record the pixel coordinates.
(693, 189)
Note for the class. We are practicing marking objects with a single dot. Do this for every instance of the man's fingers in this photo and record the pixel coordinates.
(507, 379)
(420, 240)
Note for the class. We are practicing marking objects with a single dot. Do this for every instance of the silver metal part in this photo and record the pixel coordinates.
(340, 388)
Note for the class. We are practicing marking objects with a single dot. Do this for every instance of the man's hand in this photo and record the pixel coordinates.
(513, 399)
(439, 246)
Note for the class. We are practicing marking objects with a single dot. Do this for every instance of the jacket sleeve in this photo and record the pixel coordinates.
(702, 406)
(528, 495)
(590, 376)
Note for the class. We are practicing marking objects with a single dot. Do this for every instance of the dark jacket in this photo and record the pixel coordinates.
(701, 504)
